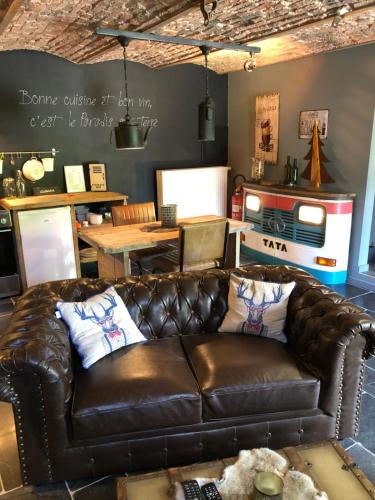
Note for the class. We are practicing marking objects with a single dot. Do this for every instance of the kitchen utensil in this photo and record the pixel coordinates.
(33, 169)
(95, 218)
(1, 163)
(48, 164)
(12, 162)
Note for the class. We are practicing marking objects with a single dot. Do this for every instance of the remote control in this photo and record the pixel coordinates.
(210, 492)
(192, 490)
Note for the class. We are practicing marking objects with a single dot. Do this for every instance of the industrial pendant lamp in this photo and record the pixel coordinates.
(129, 135)
(206, 123)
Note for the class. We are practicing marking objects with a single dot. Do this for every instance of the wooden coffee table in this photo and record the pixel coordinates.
(327, 463)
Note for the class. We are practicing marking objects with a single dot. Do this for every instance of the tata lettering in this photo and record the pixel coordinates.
(275, 244)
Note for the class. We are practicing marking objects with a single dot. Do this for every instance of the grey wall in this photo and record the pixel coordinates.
(344, 83)
(174, 94)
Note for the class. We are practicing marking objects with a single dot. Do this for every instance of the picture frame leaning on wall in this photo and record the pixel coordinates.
(74, 179)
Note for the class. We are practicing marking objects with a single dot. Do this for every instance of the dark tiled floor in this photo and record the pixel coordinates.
(362, 448)
(367, 301)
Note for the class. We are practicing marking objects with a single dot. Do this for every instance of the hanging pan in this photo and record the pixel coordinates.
(33, 169)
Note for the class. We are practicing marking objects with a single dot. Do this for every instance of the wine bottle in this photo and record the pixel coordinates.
(288, 170)
(294, 172)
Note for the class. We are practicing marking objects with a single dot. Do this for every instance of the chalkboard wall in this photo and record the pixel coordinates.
(46, 102)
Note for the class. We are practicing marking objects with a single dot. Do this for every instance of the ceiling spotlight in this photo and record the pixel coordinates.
(336, 21)
(250, 65)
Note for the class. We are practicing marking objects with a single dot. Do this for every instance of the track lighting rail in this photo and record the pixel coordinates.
(176, 40)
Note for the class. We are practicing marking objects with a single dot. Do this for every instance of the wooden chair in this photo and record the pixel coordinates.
(139, 213)
(201, 246)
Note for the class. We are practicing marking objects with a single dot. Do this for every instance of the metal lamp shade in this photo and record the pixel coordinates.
(206, 125)
(129, 136)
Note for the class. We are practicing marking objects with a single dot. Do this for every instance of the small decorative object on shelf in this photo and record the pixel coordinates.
(9, 187)
(315, 171)
(20, 185)
(257, 168)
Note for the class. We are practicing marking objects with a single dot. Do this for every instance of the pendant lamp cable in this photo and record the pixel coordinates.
(207, 82)
(126, 83)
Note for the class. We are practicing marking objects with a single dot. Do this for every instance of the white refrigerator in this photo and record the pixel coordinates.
(47, 244)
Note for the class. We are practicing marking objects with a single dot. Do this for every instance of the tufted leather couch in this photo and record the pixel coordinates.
(188, 393)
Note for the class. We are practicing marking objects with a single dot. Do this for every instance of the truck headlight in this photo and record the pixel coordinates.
(253, 202)
(311, 214)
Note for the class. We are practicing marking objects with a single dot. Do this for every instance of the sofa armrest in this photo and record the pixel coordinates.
(36, 377)
(332, 338)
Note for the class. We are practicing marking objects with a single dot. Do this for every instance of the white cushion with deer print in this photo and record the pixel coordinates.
(257, 307)
(99, 325)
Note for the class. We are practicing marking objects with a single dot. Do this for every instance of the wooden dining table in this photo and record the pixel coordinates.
(114, 243)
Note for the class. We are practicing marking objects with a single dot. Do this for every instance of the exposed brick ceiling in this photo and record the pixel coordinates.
(284, 29)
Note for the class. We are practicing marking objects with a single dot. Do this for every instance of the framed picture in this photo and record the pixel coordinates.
(95, 176)
(306, 123)
(74, 179)
(267, 127)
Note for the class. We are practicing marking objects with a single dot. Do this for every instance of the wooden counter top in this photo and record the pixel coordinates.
(299, 191)
(58, 200)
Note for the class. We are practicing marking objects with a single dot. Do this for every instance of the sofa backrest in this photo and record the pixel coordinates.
(171, 304)
(166, 305)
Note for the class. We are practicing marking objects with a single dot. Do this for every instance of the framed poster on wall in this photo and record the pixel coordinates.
(267, 127)
(306, 123)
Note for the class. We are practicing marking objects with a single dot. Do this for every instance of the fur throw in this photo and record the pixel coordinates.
(237, 480)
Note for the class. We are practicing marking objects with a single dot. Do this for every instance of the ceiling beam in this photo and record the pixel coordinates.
(181, 11)
(175, 40)
(192, 59)
(9, 15)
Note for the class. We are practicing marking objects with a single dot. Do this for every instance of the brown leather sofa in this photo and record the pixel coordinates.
(187, 394)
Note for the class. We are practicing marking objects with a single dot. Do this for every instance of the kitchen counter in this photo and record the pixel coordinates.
(63, 199)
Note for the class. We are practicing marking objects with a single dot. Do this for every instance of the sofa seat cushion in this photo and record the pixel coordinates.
(243, 375)
(143, 386)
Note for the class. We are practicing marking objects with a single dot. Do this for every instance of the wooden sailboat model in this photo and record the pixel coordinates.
(315, 171)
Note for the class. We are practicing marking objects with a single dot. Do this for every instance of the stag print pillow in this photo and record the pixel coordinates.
(99, 326)
(257, 308)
